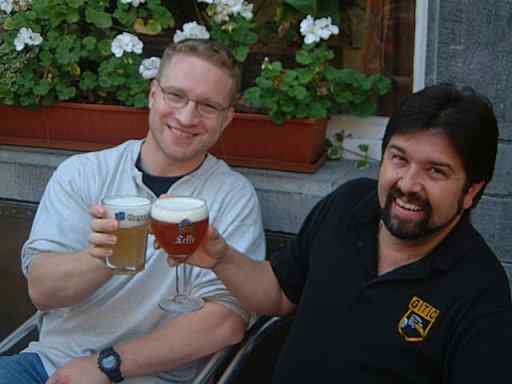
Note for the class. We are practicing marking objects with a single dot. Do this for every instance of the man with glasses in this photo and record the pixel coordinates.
(99, 328)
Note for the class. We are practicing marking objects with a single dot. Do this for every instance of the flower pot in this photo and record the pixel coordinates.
(73, 126)
(254, 141)
(251, 140)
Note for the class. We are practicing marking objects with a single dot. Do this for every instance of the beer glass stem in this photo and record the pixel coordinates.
(177, 279)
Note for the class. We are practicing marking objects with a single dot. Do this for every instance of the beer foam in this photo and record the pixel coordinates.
(130, 211)
(126, 201)
(177, 209)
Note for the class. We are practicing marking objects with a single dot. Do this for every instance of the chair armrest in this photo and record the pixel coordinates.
(20, 333)
(263, 327)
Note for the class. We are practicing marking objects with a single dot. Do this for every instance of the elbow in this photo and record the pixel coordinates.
(38, 297)
(234, 329)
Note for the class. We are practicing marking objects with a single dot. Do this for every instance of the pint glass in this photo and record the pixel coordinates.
(132, 213)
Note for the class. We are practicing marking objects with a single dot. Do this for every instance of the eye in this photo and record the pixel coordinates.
(437, 172)
(398, 159)
(175, 96)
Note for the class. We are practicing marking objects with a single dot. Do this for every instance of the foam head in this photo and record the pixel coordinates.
(177, 209)
(130, 211)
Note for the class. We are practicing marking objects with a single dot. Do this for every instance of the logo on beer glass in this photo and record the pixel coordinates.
(185, 232)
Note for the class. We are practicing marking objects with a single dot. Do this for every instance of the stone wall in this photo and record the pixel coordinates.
(469, 44)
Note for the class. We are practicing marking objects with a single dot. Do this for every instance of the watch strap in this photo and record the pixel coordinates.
(113, 373)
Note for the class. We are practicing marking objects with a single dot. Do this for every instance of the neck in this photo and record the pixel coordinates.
(162, 166)
(395, 252)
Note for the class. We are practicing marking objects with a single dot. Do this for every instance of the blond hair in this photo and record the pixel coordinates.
(209, 51)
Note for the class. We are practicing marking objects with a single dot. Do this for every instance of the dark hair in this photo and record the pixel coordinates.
(465, 117)
(211, 52)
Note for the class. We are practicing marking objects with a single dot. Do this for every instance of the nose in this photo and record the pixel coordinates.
(410, 180)
(187, 114)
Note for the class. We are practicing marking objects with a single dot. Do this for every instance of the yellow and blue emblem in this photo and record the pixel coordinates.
(417, 321)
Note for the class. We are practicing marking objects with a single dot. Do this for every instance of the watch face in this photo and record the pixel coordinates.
(109, 362)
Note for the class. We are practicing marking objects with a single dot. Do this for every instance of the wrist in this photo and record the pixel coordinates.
(109, 362)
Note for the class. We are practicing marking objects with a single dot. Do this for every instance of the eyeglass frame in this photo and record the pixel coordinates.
(186, 99)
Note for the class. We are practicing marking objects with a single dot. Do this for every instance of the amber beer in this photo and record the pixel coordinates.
(132, 213)
(179, 223)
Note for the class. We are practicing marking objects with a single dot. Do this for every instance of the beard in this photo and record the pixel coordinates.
(420, 229)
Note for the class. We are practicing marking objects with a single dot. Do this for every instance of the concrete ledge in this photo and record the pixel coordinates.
(285, 197)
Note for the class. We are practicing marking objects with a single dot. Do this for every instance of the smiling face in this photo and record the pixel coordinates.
(179, 138)
(422, 185)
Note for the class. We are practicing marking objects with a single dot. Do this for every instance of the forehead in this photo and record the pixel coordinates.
(197, 77)
(427, 146)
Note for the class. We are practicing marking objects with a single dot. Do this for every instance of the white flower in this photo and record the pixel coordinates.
(6, 6)
(135, 3)
(126, 42)
(191, 30)
(315, 30)
(149, 67)
(25, 36)
(223, 9)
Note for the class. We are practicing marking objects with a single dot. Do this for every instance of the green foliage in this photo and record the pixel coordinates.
(315, 89)
(75, 61)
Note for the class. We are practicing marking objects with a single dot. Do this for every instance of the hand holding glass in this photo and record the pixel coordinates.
(179, 224)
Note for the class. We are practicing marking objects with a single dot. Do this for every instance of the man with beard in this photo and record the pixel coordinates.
(388, 280)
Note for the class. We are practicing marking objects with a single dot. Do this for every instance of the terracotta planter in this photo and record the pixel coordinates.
(73, 126)
(253, 140)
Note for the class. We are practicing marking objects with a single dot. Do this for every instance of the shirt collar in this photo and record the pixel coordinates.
(443, 257)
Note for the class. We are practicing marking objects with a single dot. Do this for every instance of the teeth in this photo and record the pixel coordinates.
(408, 206)
(181, 133)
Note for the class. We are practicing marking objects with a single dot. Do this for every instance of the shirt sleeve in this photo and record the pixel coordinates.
(62, 220)
(291, 264)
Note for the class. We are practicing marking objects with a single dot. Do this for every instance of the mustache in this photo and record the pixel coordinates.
(412, 198)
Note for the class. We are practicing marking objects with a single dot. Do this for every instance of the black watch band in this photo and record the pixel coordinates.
(109, 362)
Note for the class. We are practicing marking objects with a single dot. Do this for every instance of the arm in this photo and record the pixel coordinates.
(192, 336)
(252, 282)
(61, 279)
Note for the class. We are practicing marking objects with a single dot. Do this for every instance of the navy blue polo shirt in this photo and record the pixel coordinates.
(445, 318)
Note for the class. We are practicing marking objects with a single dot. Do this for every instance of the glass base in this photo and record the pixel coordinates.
(181, 304)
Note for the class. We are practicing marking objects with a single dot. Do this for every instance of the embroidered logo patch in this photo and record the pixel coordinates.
(418, 320)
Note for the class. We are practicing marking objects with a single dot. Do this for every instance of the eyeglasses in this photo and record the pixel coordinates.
(177, 99)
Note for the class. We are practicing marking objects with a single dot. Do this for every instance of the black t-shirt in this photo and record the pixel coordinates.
(445, 318)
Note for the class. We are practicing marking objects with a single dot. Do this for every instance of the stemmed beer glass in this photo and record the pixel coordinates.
(179, 224)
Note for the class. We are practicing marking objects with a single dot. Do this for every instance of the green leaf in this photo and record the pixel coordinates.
(253, 96)
(304, 6)
(303, 57)
(100, 19)
(241, 53)
(363, 147)
(42, 88)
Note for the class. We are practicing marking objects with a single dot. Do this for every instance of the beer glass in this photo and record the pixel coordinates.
(179, 224)
(132, 213)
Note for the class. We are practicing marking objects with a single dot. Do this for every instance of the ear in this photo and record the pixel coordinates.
(152, 94)
(230, 113)
(472, 192)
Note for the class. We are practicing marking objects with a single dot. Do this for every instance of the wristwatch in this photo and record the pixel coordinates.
(109, 362)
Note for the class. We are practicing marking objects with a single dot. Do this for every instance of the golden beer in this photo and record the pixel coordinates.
(179, 224)
(132, 213)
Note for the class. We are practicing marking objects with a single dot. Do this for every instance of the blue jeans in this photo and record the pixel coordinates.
(23, 368)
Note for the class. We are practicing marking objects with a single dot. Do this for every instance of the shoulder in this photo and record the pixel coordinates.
(218, 176)
(347, 196)
(81, 164)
